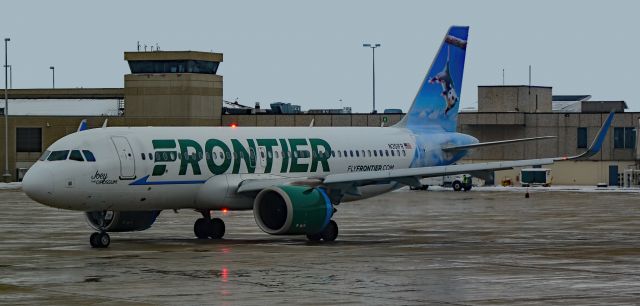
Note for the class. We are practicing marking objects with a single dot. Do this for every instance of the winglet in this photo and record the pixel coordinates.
(596, 145)
(83, 125)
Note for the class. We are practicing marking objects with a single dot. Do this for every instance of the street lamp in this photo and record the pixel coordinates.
(53, 76)
(10, 76)
(373, 61)
(6, 174)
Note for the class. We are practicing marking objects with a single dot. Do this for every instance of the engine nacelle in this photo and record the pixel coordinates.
(122, 221)
(292, 210)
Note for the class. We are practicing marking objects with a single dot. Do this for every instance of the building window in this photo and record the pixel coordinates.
(28, 140)
(582, 137)
(624, 137)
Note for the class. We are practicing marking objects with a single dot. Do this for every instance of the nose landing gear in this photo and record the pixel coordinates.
(101, 239)
(207, 227)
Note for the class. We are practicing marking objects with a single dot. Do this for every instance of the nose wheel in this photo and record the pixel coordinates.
(99, 240)
(207, 227)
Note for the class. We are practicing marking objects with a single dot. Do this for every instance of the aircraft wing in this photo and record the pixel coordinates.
(411, 176)
(414, 174)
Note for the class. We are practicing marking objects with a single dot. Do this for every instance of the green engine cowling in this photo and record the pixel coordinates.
(292, 210)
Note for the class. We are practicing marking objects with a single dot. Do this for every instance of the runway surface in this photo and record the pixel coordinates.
(406, 247)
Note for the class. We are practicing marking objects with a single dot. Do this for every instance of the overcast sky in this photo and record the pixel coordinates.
(310, 53)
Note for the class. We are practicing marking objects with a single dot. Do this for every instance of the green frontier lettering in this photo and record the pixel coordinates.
(240, 152)
(318, 155)
(295, 166)
(268, 144)
(219, 162)
(226, 156)
(190, 159)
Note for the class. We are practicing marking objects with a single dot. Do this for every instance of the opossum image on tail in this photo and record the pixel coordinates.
(448, 88)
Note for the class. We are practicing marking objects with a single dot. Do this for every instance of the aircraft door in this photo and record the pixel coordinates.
(125, 154)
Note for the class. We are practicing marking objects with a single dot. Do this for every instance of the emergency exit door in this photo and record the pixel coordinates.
(125, 154)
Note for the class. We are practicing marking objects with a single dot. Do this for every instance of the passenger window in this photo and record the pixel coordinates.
(381, 154)
(351, 153)
(392, 153)
(387, 152)
(369, 152)
(44, 155)
(276, 154)
(404, 153)
(150, 156)
(333, 153)
(345, 153)
(58, 155)
(357, 153)
(375, 153)
(143, 156)
(339, 153)
(363, 155)
(75, 155)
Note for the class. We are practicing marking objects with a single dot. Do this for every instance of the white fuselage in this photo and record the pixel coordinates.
(154, 168)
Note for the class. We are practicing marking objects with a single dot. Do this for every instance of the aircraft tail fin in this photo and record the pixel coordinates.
(438, 99)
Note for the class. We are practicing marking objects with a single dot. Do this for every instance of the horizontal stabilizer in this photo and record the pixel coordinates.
(492, 143)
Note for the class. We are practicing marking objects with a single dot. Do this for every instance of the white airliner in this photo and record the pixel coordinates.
(291, 177)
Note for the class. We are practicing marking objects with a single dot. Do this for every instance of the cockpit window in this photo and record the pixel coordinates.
(75, 155)
(58, 155)
(88, 155)
(44, 155)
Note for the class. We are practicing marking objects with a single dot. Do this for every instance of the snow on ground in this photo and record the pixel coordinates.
(10, 186)
(539, 189)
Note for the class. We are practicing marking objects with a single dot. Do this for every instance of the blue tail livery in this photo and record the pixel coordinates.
(436, 104)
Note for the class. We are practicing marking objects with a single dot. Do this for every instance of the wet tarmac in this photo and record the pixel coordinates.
(407, 247)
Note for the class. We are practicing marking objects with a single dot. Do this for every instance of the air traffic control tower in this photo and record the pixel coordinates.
(178, 85)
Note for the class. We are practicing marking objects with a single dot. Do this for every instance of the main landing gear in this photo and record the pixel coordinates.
(206, 227)
(101, 239)
(329, 233)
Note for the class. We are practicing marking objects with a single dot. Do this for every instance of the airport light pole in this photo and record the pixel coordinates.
(6, 174)
(373, 61)
(53, 76)
(10, 77)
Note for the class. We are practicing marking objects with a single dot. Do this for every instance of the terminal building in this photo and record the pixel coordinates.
(182, 88)
(507, 112)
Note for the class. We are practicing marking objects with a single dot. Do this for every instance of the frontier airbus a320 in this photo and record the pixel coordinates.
(291, 177)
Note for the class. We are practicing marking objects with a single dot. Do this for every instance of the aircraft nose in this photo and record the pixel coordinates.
(38, 184)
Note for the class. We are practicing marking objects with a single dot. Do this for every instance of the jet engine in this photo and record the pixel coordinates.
(292, 210)
(121, 221)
